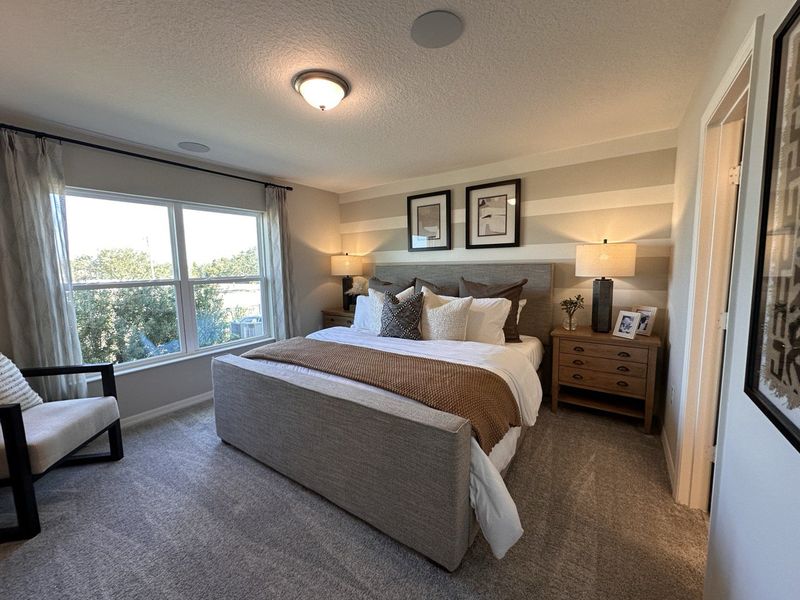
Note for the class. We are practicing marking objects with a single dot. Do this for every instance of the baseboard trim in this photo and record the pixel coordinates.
(668, 457)
(155, 413)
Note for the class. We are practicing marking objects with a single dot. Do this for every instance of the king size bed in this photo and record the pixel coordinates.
(423, 476)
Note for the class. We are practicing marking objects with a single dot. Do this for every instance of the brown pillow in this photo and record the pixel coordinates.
(441, 290)
(387, 286)
(511, 291)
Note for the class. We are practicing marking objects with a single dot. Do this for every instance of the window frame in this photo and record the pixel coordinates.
(182, 281)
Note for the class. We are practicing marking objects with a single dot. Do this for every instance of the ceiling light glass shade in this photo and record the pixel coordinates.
(343, 265)
(321, 89)
(605, 260)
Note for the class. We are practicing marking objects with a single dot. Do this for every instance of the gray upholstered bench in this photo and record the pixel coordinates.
(48, 435)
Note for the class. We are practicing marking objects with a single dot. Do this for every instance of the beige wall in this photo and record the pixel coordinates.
(623, 197)
(313, 215)
(755, 527)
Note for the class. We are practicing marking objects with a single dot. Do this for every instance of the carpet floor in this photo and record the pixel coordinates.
(185, 517)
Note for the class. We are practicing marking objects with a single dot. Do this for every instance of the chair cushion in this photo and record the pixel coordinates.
(54, 429)
(13, 387)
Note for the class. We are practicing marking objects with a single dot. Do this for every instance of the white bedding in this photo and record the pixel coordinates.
(531, 347)
(494, 508)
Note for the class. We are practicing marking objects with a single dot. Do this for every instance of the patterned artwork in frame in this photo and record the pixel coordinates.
(429, 221)
(493, 214)
(773, 372)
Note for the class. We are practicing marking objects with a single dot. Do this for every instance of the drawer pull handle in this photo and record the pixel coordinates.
(578, 349)
(577, 376)
(622, 383)
(577, 361)
(624, 354)
(623, 368)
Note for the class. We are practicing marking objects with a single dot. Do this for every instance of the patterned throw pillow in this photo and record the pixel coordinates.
(376, 300)
(13, 387)
(401, 319)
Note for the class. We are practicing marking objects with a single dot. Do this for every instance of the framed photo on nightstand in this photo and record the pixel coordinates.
(648, 319)
(627, 323)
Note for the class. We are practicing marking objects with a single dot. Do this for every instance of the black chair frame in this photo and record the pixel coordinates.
(20, 477)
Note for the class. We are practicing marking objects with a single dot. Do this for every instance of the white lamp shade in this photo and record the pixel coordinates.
(321, 93)
(605, 260)
(344, 264)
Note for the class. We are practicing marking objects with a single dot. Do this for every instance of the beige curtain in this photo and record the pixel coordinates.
(35, 291)
(282, 290)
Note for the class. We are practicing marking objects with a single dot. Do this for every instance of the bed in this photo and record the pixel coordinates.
(409, 470)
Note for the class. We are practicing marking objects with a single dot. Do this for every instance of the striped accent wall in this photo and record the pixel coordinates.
(624, 198)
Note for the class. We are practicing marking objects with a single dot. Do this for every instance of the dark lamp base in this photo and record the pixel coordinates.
(602, 297)
(347, 284)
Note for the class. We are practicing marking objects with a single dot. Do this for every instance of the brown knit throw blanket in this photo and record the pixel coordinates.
(476, 394)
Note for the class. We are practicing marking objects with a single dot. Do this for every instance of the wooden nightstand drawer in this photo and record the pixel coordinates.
(334, 321)
(604, 350)
(610, 382)
(607, 365)
(336, 317)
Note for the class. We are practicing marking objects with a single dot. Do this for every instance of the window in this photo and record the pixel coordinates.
(156, 278)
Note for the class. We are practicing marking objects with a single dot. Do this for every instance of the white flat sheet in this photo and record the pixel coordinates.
(531, 347)
(494, 508)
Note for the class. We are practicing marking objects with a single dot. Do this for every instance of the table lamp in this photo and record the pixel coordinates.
(604, 261)
(345, 266)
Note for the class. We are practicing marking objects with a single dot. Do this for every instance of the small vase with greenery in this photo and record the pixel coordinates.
(571, 306)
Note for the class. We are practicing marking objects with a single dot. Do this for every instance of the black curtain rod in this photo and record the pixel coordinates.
(164, 161)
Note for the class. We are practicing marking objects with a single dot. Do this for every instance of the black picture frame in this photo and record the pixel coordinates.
(771, 280)
(500, 189)
(426, 202)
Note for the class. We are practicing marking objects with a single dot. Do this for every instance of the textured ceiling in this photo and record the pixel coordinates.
(527, 76)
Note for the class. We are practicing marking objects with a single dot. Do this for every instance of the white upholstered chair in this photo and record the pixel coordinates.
(46, 435)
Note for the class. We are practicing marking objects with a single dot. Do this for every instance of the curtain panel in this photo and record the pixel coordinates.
(35, 291)
(282, 291)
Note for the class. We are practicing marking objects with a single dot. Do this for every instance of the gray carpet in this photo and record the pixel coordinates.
(183, 516)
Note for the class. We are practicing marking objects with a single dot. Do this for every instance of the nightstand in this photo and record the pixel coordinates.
(336, 317)
(605, 372)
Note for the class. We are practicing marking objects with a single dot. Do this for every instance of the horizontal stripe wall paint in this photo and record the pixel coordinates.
(504, 169)
(622, 198)
(647, 196)
(617, 224)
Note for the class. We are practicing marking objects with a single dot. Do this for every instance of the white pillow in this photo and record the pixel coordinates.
(522, 304)
(363, 316)
(13, 387)
(486, 319)
(444, 319)
(376, 300)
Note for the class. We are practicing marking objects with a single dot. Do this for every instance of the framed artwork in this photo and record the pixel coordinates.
(647, 320)
(429, 221)
(772, 380)
(493, 214)
(627, 323)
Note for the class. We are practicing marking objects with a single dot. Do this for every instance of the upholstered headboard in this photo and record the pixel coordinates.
(536, 318)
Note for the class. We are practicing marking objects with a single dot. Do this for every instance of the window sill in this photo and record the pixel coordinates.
(154, 364)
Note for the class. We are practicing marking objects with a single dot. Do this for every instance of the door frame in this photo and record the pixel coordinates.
(698, 416)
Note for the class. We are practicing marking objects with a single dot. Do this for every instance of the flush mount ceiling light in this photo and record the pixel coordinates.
(193, 147)
(321, 89)
(436, 29)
